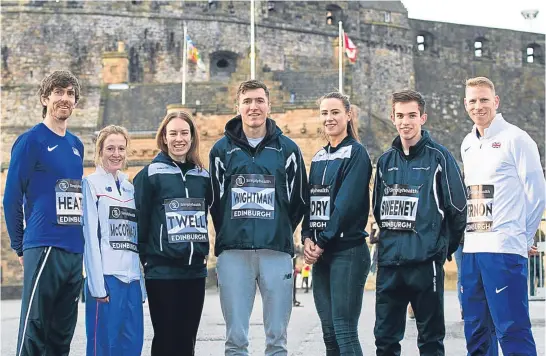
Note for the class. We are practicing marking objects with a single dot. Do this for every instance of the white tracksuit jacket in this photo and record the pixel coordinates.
(110, 231)
(506, 189)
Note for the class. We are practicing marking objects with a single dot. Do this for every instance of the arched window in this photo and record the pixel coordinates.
(222, 64)
(334, 14)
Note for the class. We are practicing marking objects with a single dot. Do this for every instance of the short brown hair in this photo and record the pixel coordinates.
(351, 127)
(103, 135)
(406, 96)
(251, 85)
(193, 155)
(58, 79)
(480, 82)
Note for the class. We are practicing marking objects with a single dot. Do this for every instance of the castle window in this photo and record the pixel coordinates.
(530, 54)
(533, 54)
(421, 43)
(333, 14)
(170, 42)
(479, 47)
(387, 15)
(270, 6)
(212, 4)
(222, 64)
(424, 42)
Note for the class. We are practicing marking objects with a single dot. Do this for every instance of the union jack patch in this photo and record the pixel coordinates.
(496, 144)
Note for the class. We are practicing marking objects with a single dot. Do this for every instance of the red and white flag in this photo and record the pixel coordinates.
(350, 48)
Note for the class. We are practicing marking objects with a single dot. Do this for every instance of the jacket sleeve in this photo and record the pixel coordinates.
(454, 201)
(143, 199)
(376, 200)
(352, 196)
(92, 255)
(217, 179)
(305, 231)
(527, 160)
(23, 159)
(299, 197)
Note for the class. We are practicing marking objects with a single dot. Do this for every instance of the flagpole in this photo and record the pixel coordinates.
(184, 64)
(340, 54)
(252, 40)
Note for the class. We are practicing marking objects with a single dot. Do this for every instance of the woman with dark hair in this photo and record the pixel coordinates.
(172, 198)
(334, 228)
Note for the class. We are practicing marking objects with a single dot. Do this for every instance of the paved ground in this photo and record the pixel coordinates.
(304, 332)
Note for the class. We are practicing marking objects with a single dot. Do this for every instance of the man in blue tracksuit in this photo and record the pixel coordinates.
(45, 173)
(506, 199)
(419, 203)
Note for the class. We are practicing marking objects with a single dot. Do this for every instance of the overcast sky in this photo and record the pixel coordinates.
(487, 13)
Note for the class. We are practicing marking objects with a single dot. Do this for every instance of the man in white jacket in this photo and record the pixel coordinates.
(506, 199)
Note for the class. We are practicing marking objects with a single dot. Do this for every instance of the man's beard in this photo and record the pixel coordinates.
(62, 117)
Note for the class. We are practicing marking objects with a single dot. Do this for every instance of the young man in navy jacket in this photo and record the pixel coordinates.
(419, 203)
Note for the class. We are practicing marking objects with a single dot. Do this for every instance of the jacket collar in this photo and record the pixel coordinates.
(347, 141)
(121, 176)
(234, 132)
(414, 150)
(497, 125)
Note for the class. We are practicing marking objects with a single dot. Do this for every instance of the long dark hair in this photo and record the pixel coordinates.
(351, 127)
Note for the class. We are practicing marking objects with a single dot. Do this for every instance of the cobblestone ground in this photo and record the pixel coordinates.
(304, 332)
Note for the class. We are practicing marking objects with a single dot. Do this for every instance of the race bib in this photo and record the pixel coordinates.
(122, 224)
(186, 220)
(252, 196)
(480, 208)
(320, 207)
(399, 207)
(68, 201)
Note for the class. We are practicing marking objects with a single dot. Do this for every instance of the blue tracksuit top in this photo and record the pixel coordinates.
(45, 175)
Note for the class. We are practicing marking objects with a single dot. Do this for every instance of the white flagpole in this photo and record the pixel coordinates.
(340, 52)
(252, 40)
(184, 64)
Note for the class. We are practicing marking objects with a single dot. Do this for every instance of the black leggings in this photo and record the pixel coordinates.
(175, 309)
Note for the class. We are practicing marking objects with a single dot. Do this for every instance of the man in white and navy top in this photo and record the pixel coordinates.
(506, 198)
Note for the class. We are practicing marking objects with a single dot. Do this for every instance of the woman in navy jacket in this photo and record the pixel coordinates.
(172, 197)
(334, 228)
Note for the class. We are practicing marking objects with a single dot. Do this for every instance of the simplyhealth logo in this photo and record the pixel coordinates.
(400, 190)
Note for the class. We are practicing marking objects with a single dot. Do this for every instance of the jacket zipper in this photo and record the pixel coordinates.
(325, 168)
(187, 196)
(161, 238)
(322, 182)
(404, 181)
(434, 275)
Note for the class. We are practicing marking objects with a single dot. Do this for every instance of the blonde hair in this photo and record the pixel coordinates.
(193, 155)
(101, 137)
(480, 82)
